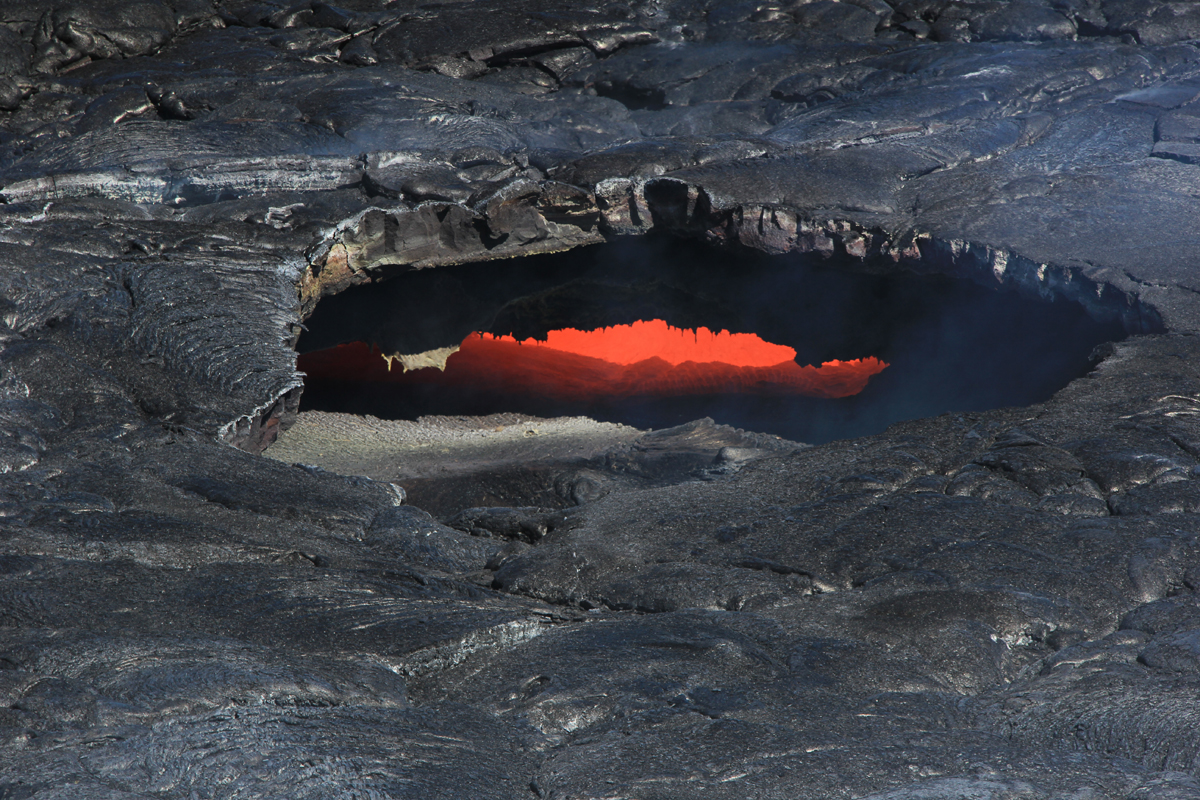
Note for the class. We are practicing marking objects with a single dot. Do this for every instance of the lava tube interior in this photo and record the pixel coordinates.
(656, 333)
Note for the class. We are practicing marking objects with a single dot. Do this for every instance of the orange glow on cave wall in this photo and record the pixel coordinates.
(629, 344)
(648, 359)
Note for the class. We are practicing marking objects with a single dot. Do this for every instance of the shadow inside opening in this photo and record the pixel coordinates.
(948, 345)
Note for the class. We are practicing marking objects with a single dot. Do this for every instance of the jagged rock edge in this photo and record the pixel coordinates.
(721, 221)
(772, 229)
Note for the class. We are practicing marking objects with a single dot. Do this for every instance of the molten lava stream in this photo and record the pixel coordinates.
(645, 359)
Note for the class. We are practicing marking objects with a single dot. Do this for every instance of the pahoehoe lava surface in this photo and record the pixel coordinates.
(998, 604)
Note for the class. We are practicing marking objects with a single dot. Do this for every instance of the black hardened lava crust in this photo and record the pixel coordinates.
(996, 604)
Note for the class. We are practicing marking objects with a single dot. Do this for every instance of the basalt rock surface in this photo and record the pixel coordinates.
(998, 604)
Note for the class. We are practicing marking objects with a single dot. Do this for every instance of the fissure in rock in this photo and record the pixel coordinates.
(657, 331)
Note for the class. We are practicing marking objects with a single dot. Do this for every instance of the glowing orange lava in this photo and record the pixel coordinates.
(646, 359)
(629, 344)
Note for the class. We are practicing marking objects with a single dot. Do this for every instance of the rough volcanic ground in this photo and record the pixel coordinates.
(989, 605)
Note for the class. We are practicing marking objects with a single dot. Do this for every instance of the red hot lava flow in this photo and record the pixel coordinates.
(645, 359)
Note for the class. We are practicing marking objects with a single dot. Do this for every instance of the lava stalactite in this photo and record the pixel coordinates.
(645, 359)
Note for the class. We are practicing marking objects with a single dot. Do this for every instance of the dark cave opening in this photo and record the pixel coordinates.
(944, 344)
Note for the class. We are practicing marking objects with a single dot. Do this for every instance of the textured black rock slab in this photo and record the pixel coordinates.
(995, 604)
